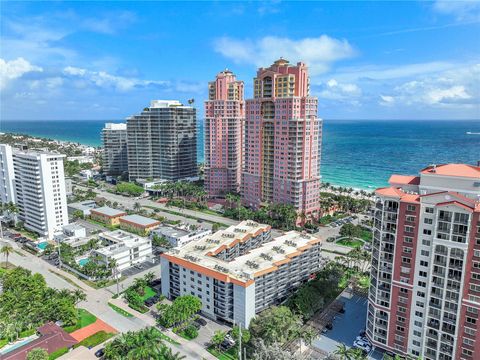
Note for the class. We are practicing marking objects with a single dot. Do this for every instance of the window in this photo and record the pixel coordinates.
(429, 210)
(428, 221)
(424, 263)
(427, 232)
(408, 239)
(425, 253)
(411, 207)
(410, 218)
(426, 242)
(467, 352)
(422, 284)
(470, 331)
(419, 313)
(468, 342)
(471, 320)
(407, 250)
(409, 229)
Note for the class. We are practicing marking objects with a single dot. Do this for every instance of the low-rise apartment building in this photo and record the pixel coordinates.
(107, 215)
(125, 248)
(138, 224)
(179, 236)
(240, 271)
(424, 298)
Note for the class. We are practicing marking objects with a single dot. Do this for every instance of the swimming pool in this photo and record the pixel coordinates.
(42, 245)
(83, 262)
(18, 344)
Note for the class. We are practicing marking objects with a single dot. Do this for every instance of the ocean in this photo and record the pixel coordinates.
(355, 153)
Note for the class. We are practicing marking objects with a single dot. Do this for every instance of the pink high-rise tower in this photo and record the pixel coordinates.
(224, 117)
(282, 140)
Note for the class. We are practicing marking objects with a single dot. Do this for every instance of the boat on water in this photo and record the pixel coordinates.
(473, 133)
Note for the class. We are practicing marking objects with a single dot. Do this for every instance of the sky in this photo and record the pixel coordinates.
(367, 60)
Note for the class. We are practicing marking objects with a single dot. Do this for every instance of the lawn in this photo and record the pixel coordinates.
(95, 339)
(148, 293)
(167, 338)
(84, 319)
(353, 243)
(366, 235)
(58, 353)
(230, 354)
(120, 311)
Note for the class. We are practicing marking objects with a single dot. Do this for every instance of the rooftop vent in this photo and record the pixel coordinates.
(278, 249)
(266, 256)
(252, 264)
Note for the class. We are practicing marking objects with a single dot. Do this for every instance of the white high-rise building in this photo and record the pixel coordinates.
(39, 184)
(7, 194)
(114, 139)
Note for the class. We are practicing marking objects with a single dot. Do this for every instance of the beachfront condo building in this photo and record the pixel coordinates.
(240, 271)
(424, 298)
(36, 183)
(114, 140)
(224, 117)
(162, 142)
(282, 140)
(7, 193)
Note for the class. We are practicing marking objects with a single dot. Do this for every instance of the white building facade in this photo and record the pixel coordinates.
(39, 190)
(125, 248)
(7, 193)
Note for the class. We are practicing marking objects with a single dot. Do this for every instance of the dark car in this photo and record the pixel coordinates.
(201, 322)
(342, 311)
(99, 353)
(149, 302)
(329, 326)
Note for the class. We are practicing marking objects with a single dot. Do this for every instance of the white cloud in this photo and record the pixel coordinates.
(105, 80)
(319, 53)
(345, 92)
(389, 72)
(457, 88)
(14, 69)
(387, 100)
(461, 10)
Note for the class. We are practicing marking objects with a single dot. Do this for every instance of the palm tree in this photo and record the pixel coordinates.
(12, 209)
(166, 353)
(112, 264)
(137, 206)
(79, 296)
(344, 352)
(6, 251)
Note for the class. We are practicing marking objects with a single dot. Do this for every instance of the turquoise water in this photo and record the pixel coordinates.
(16, 346)
(42, 245)
(83, 262)
(356, 153)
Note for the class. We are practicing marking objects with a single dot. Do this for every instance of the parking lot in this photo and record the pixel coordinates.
(346, 327)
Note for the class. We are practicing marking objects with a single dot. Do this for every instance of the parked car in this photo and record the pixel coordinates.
(100, 352)
(329, 326)
(362, 345)
(200, 321)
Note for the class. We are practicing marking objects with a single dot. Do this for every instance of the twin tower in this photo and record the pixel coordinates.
(267, 148)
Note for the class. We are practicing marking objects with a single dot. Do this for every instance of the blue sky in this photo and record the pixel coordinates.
(367, 60)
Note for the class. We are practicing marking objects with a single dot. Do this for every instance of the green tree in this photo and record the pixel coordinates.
(245, 334)
(181, 310)
(37, 354)
(6, 250)
(77, 214)
(148, 277)
(275, 324)
(215, 227)
(344, 352)
(137, 206)
(218, 338)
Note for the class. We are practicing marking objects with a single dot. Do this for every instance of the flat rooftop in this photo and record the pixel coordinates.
(262, 260)
(72, 227)
(108, 211)
(139, 220)
(177, 232)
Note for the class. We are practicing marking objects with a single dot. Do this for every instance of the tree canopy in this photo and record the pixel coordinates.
(181, 310)
(26, 303)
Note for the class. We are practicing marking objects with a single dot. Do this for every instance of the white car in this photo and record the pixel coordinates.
(364, 339)
(362, 345)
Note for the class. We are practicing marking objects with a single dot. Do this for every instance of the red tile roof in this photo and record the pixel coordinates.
(398, 193)
(404, 180)
(461, 170)
(52, 338)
